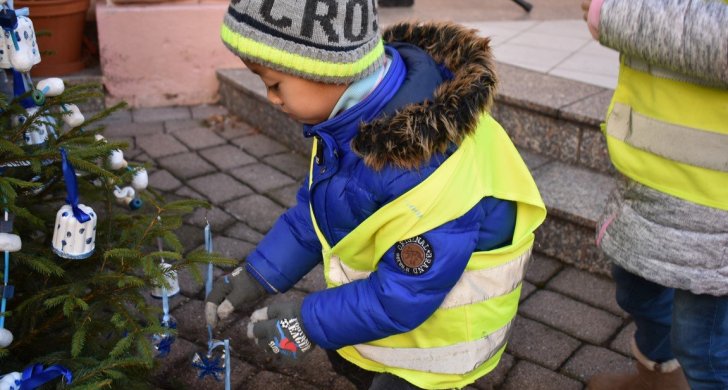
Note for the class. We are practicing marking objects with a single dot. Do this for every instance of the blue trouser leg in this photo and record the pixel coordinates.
(700, 339)
(650, 305)
(677, 323)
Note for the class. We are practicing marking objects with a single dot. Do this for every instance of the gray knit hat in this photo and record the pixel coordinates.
(333, 41)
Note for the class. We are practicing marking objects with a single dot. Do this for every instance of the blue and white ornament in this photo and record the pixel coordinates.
(171, 277)
(11, 381)
(162, 342)
(73, 239)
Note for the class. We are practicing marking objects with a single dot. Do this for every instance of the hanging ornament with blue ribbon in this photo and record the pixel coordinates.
(9, 242)
(34, 376)
(163, 341)
(74, 234)
(217, 359)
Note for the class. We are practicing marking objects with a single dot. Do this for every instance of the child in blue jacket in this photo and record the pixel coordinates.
(418, 205)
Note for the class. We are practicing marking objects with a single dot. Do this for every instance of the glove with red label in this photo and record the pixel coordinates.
(278, 328)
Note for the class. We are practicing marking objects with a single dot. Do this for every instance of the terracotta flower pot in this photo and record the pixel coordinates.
(58, 27)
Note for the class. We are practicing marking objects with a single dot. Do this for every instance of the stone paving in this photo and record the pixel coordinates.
(569, 325)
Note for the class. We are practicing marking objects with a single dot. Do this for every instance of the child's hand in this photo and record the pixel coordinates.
(229, 293)
(278, 328)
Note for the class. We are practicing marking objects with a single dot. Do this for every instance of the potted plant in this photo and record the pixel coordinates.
(59, 28)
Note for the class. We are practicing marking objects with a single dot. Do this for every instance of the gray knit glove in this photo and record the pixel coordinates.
(278, 328)
(230, 293)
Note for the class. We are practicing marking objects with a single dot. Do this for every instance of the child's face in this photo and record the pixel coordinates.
(306, 101)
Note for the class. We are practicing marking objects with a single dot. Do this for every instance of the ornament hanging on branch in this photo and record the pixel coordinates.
(9, 242)
(74, 236)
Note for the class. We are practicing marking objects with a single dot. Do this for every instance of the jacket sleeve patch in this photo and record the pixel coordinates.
(414, 255)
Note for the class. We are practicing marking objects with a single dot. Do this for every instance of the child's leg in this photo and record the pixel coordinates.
(367, 380)
(361, 378)
(650, 304)
(700, 339)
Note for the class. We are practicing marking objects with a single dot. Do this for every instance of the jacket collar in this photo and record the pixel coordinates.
(413, 134)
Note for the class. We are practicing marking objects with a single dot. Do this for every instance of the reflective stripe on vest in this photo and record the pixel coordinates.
(670, 135)
(473, 322)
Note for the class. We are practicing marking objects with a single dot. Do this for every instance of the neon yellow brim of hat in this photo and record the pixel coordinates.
(251, 48)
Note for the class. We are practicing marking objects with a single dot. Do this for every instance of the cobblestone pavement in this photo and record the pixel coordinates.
(569, 325)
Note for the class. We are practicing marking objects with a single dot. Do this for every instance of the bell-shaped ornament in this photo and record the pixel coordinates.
(171, 278)
(73, 239)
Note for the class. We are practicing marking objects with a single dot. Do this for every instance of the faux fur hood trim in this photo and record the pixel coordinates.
(409, 138)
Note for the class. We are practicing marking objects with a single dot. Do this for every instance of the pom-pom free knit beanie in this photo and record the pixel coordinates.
(332, 41)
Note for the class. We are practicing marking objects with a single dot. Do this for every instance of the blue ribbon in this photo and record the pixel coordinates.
(69, 175)
(20, 87)
(208, 248)
(6, 279)
(35, 375)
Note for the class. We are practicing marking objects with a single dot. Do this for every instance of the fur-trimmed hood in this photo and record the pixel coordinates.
(410, 137)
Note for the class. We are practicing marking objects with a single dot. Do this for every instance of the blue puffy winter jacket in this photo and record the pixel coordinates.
(420, 126)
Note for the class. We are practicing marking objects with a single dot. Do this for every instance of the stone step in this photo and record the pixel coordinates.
(554, 122)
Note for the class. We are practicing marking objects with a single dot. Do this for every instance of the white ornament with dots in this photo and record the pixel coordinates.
(27, 54)
(171, 277)
(140, 181)
(51, 86)
(73, 239)
(11, 381)
(72, 115)
(116, 160)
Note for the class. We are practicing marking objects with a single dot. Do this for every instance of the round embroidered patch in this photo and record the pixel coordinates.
(414, 255)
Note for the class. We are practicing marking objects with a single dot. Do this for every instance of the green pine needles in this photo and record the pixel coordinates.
(93, 316)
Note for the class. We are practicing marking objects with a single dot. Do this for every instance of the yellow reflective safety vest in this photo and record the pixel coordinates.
(465, 337)
(670, 132)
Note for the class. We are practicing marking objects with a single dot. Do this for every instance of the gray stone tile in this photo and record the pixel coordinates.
(187, 192)
(117, 116)
(184, 376)
(233, 127)
(231, 248)
(590, 360)
(243, 232)
(586, 287)
(191, 321)
(128, 129)
(219, 187)
(292, 164)
(540, 92)
(160, 114)
(313, 281)
(180, 354)
(526, 290)
(540, 344)
(495, 378)
(199, 138)
(190, 286)
(182, 124)
(264, 380)
(574, 192)
(622, 343)
(160, 145)
(190, 236)
(593, 152)
(541, 269)
(261, 177)
(163, 181)
(526, 375)
(259, 145)
(219, 220)
(540, 133)
(187, 165)
(572, 317)
(286, 196)
(207, 110)
(226, 157)
(534, 161)
(257, 211)
(591, 109)
(571, 243)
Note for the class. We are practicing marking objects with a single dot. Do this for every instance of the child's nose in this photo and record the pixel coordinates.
(274, 98)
